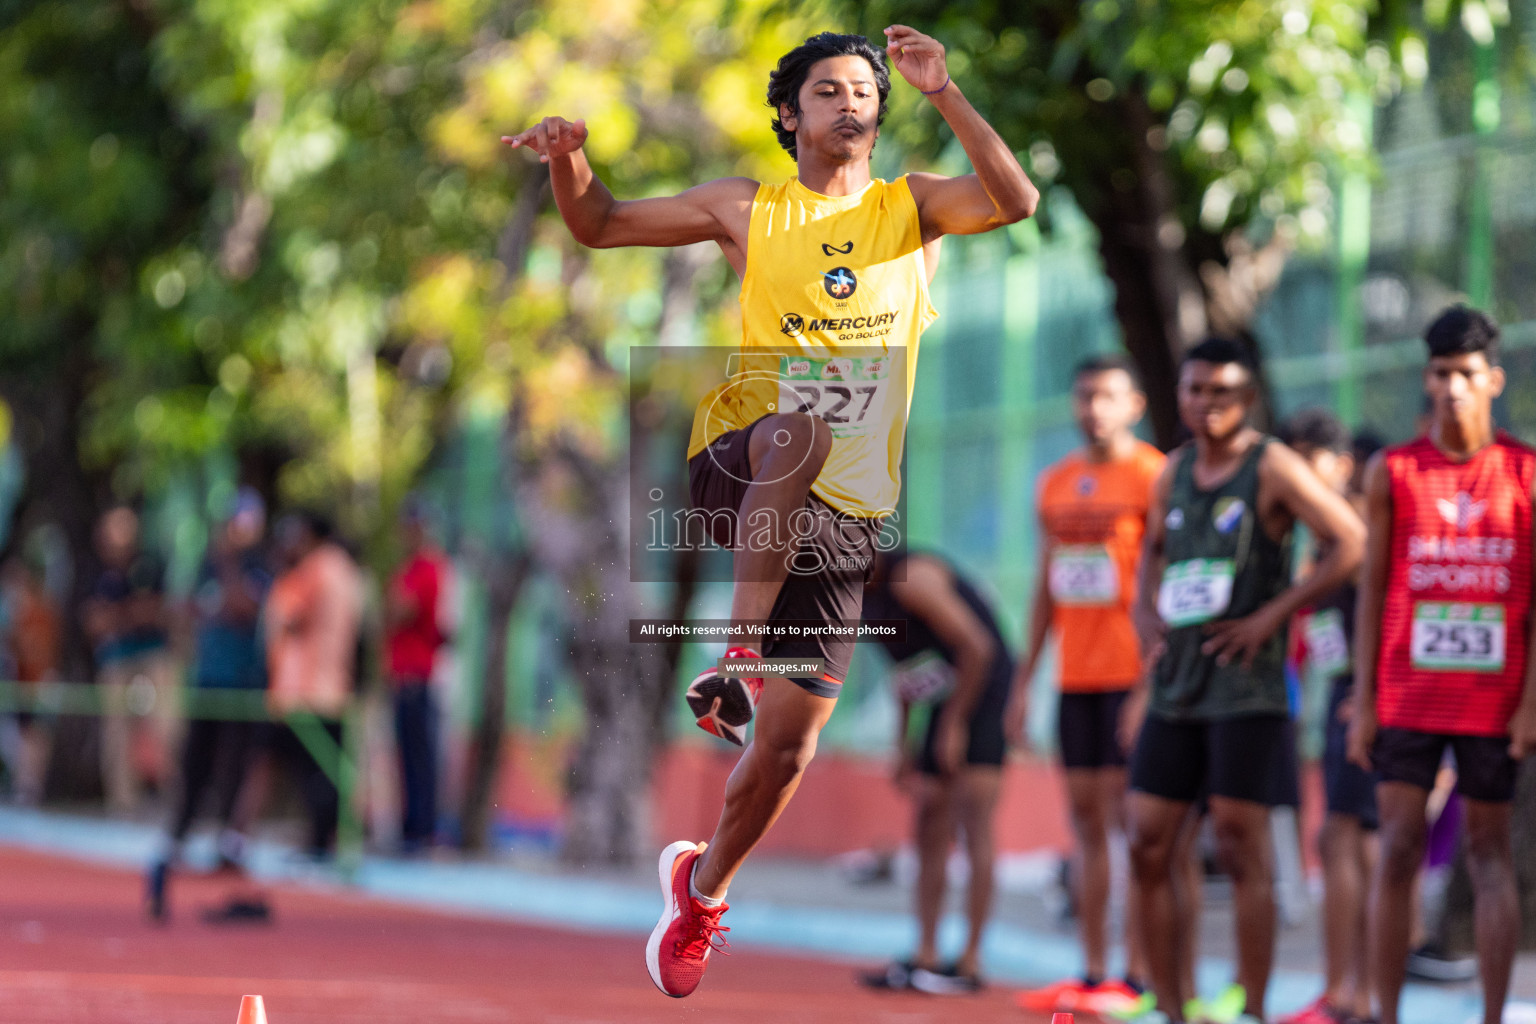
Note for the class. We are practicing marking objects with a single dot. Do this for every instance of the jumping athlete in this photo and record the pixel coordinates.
(1443, 630)
(1346, 844)
(1093, 512)
(834, 264)
(1213, 603)
(953, 667)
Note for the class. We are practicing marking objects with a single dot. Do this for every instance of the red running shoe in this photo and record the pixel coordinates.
(1319, 1011)
(723, 705)
(680, 944)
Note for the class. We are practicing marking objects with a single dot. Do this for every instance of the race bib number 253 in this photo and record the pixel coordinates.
(1458, 637)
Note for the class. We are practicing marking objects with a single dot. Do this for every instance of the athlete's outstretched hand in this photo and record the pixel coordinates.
(919, 58)
(551, 137)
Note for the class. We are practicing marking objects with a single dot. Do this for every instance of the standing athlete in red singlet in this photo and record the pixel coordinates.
(1443, 629)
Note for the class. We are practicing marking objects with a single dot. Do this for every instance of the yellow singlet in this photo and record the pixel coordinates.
(835, 288)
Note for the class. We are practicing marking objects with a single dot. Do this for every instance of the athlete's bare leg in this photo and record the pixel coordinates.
(1189, 901)
(1091, 795)
(934, 828)
(1403, 832)
(789, 719)
(1112, 782)
(1495, 901)
(787, 452)
(1348, 852)
(977, 791)
(1155, 827)
(1244, 846)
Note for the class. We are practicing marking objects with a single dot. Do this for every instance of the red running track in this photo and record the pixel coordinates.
(75, 948)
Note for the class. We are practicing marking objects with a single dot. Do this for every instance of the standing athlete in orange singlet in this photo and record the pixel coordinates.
(1093, 512)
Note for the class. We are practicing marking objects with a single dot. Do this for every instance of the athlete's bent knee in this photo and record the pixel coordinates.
(800, 437)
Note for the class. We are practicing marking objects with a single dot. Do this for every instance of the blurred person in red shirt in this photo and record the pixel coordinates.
(413, 612)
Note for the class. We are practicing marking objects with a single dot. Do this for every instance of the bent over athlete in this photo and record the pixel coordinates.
(831, 246)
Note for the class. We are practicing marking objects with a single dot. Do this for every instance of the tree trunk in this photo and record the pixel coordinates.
(504, 584)
(625, 688)
(1158, 302)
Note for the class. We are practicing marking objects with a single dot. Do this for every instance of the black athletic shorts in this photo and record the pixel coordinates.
(1484, 769)
(1248, 758)
(987, 744)
(1350, 789)
(1088, 729)
(825, 584)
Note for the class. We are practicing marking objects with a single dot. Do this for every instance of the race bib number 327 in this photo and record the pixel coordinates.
(1194, 591)
(1458, 637)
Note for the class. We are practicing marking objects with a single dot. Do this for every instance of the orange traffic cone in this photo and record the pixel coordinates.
(1056, 1018)
(252, 1012)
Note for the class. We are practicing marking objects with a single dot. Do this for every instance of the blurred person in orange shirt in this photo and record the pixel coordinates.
(33, 631)
(413, 612)
(311, 623)
(1093, 510)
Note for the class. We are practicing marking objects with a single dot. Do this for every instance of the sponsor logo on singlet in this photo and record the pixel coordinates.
(846, 328)
(1460, 563)
(1228, 513)
(839, 282)
(1461, 512)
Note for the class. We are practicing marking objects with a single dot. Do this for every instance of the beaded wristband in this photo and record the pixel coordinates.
(940, 89)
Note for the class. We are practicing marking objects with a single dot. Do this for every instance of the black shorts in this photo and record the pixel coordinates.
(987, 744)
(1088, 729)
(1484, 769)
(825, 584)
(1248, 758)
(1350, 789)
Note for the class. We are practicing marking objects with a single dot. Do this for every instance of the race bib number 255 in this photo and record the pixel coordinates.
(1194, 591)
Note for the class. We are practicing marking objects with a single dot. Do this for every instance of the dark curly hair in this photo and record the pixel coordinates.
(785, 81)
(1462, 330)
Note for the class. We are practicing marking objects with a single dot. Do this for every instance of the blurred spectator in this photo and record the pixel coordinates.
(124, 620)
(312, 623)
(231, 585)
(413, 607)
(31, 656)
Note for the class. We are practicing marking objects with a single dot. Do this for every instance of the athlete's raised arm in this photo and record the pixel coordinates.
(716, 211)
(999, 192)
